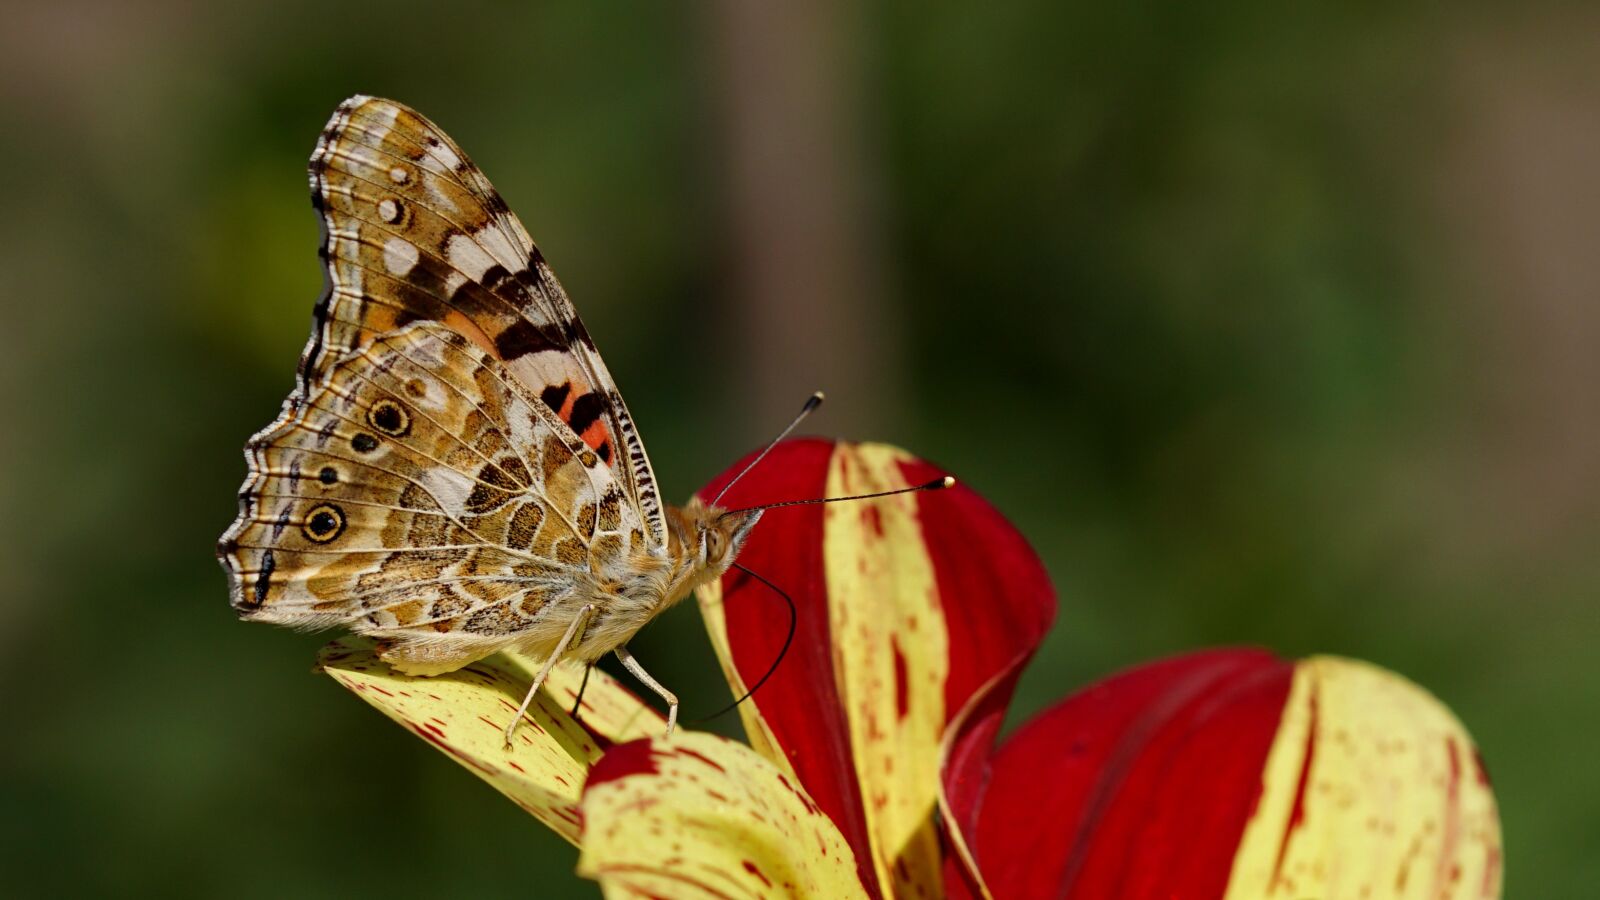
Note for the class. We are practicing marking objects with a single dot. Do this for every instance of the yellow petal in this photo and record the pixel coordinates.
(1372, 788)
(465, 713)
(699, 816)
(891, 659)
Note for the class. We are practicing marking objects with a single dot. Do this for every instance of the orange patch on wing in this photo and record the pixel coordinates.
(459, 323)
(378, 318)
(596, 435)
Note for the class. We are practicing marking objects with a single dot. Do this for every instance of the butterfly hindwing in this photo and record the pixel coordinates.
(414, 231)
(420, 493)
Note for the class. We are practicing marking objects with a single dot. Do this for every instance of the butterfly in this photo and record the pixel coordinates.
(455, 472)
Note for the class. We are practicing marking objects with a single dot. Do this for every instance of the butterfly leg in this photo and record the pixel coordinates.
(632, 665)
(544, 671)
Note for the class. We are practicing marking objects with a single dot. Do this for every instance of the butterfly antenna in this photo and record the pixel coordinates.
(814, 401)
(787, 640)
(938, 484)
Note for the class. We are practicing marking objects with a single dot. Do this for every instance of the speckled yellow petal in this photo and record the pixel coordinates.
(699, 816)
(465, 713)
(1372, 788)
(891, 658)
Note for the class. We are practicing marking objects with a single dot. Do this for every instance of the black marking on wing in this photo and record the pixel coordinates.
(524, 337)
(264, 578)
(586, 410)
(555, 396)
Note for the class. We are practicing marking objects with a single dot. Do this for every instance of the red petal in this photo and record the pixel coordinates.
(994, 595)
(1138, 787)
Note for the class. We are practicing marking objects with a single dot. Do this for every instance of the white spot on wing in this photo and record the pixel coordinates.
(449, 487)
(465, 254)
(399, 175)
(389, 210)
(361, 155)
(494, 240)
(384, 115)
(447, 156)
(399, 256)
(453, 282)
(438, 198)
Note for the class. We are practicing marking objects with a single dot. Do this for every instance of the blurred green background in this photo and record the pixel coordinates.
(1266, 325)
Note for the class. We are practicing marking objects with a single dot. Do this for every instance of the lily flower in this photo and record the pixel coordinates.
(873, 767)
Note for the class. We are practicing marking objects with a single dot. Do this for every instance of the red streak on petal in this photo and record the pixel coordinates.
(685, 751)
(755, 870)
(571, 814)
(381, 691)
(1297, 813)
(810, 806)
(874, 520)
(1449, 870)
(436, 737)
(1491, 872)
(902, 702)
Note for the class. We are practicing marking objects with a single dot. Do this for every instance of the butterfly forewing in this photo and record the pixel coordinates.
(414, 231)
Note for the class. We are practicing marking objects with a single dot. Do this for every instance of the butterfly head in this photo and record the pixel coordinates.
(712, 536)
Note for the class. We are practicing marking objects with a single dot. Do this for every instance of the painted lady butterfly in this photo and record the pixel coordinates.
(455, 472)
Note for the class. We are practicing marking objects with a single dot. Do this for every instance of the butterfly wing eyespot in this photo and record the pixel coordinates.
(323, 523)
(390, 418)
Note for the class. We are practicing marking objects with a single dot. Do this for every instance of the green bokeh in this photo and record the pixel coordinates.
(1192, 293)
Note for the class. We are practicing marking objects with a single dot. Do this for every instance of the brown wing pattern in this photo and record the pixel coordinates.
(414, 231)
(421, 494)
